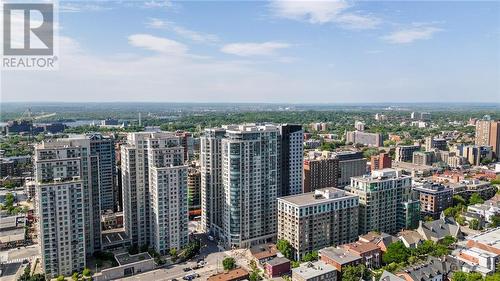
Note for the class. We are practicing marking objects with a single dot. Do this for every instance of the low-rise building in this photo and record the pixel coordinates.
(381, 239)
(339, 258)
(277, 267)
(263, 253)
(438, 229)
(314, 271)
(369, 252)
(128, 265)
(311, 221)
(410, 238)
(231, 275)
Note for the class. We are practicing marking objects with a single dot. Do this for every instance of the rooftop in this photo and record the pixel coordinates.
(264, 251)
(235, 274)
(319, 196)
(361, 247)
(490, 238)
(126, 258)
(312, 269)
(341, 256)
(278, 261)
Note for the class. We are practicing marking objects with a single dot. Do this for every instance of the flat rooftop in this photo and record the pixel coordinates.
(318, 196)
(126, 258)
(490, 238)
(114, 235)
(313, 269)
(341, 256)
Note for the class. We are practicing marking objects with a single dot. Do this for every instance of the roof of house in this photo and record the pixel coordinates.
(378, 238)
(360, 247)
(439, 229)
(235, 274)
(387, 276)
(264, 251)
(277, 261)
(341, 256)
(425, 271)
(312, 269)
(410, 236)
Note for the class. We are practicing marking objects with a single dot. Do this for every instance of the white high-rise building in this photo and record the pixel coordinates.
(240, 164)
(211, 180)
(68, 206)
(154, 183)
(168, 190)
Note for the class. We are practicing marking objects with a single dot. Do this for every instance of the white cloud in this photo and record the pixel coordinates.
(158, 4)
(409, 35)
(75, 7)
(253, 49)
(320, 12)
(158, 44)
(192, 35)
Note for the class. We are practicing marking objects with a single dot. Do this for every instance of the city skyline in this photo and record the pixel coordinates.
(298, 52)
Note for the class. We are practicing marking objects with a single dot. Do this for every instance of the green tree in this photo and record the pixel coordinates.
(459, 276)
(474, 224)
(356, 273)
(495, 221)
(254, 276)
(475, 199)
(75, 276)
(173, 254)
(86, 272)
(228, 263)
(448, 240)
(396, 252)
(60, 278)
(312, 256)
(457, 199)
(285, 248)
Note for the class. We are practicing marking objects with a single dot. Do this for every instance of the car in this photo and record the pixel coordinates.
(174, 280)
(200, 260)
(211, 238)
(202, 263)
(191, 276)
(196, 267)
(186, 269)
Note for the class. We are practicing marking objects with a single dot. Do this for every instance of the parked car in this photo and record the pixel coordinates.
(186, 269)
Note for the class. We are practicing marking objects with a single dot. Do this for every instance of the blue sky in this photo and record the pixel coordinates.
(270, 51)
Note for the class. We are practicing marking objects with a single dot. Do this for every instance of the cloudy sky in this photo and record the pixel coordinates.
(270, 51)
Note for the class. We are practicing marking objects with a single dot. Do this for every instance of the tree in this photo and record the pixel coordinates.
(495, 221)
(312, 256)
(228, 263)
(355, 273)
(459, 276)
(474, 224)
(396, 252)
(475, 199)
(254, 276)
(86, 272)
(60, 278)
(448, 240)
(173, 254)
(285, 248)
(75, 276)
(457, 199)
(460, 220)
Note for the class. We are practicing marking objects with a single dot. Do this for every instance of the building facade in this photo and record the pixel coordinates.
(321, 173)
(314, 220)
(364, 138)
(404, 153)
(382, 198)
(64, 200)
(434, 198)
(488, 134)
(291, 149)
(154, 184)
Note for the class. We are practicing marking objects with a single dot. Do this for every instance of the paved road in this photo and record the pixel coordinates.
(16, 255)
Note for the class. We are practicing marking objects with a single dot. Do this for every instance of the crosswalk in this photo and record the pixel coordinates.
(19, 260)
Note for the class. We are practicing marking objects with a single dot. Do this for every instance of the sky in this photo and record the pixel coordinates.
(269, 51)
